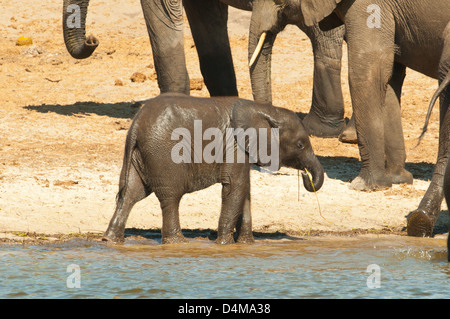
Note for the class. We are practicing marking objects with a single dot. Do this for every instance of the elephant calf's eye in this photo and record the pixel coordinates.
(300, 145)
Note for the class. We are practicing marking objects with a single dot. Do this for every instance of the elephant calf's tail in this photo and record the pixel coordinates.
(436, 94)
(130, 146)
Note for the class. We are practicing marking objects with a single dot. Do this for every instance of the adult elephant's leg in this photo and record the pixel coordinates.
(326, 116)
(447, 199)
(422, 220)
(164, 20)
(348, 135)
(393, 131)
(371, 62)
(208, 22)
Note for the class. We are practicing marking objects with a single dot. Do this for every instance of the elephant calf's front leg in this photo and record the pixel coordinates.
(235, 195)
(244, 223)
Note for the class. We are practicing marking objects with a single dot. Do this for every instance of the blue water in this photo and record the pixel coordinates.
(310, 268)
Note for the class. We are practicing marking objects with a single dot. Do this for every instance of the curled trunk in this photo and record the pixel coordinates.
(74, 29)
(317, 176)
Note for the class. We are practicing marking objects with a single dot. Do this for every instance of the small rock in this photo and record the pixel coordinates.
(120, 126)
(55, 61)
(24, 41)
(138, 77)
(118, 82)
(65, 184)
(32, 51)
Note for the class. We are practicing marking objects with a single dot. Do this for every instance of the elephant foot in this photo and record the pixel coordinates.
(225, 239)
(113, 238)
(448, 247)
(246, 239)
(360, 184)
(174, 239)
(326, 128)
(348, 135)
(419, 224)
(401, 176)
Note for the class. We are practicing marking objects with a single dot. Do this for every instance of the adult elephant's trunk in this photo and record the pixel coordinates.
(313, 182)
(74, 29)
(264, 27)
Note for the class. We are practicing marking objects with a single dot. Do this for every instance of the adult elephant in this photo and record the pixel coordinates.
(384, 37)
(208, 22)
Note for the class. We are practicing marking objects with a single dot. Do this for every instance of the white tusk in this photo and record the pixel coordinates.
(258, 49)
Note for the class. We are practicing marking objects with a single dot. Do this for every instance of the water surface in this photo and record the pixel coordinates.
(374, 267)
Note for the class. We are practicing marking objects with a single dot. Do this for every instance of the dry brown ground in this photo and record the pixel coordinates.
(63, 124)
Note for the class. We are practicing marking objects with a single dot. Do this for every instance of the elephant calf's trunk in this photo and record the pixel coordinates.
(313, 178)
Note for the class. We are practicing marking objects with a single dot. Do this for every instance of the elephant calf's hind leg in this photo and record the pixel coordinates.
(131, 191)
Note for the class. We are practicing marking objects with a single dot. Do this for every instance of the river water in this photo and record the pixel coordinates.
(366, 267)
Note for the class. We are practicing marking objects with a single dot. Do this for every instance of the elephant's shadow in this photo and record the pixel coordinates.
(153, 236)
(347, 168)
(121, 110)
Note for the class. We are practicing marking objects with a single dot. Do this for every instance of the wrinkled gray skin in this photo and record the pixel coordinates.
(208, 22)
(421, 221)
(447, 199)
(326, 116)
(410, 34)
(148, 166)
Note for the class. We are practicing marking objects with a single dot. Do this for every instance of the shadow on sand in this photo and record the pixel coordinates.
(121, 110)
(347, 168)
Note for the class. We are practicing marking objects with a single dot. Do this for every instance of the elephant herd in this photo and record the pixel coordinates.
(383, 38)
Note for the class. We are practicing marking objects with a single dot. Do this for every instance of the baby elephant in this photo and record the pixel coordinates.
(179, 144)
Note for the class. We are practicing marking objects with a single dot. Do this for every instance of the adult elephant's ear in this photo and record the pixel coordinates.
(249, 120)
(315, 11)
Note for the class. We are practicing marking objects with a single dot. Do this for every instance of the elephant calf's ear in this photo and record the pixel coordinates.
(251, 117)
(246, 114)
(315, 11)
